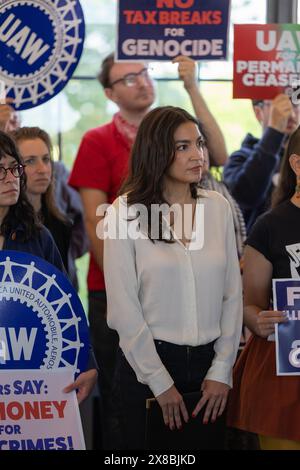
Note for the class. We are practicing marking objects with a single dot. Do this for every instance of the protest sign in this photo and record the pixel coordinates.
(41, 42)
(270, 63)
(286, 295)
(42, 321)
(35, 414)
(163, 29)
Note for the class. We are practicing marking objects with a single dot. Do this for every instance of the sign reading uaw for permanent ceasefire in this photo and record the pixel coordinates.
(270, 64)
(164, 29)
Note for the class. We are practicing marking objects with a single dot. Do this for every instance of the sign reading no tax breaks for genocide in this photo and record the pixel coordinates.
(163, 29)
(42, 321)
(41, 42)
(286, 295)
(270, 64)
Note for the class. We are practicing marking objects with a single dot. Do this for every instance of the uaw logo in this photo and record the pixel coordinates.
(42, 321)
(41, 42)
(294, 255)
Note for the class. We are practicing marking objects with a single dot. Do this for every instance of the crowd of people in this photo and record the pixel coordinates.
(165, 299)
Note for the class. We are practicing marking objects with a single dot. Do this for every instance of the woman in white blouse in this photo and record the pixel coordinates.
(173, 282)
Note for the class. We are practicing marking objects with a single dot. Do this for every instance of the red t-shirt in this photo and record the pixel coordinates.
(101, 163)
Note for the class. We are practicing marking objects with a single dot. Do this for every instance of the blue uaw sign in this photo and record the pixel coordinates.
(41, 42)
(42, 321)
(286, 293)
(163, 29)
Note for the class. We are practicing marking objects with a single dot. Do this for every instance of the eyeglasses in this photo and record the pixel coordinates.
(131, 79)
(16, 170)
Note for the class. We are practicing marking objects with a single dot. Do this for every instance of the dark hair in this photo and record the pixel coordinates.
(287, 178)
(257, 102)
(21, 213)
(152, 154)
(48, 198)
(106, 66)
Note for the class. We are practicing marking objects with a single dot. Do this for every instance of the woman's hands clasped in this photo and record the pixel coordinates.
(214, 399)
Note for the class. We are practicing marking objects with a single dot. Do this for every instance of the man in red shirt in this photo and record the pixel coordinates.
(99, 170)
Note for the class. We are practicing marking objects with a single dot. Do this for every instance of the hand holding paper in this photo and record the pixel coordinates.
(84, 384)
(266, 320)
(280, 112)
(187, 71)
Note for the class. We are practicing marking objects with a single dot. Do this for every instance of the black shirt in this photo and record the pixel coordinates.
(276, 235)
(61, 232)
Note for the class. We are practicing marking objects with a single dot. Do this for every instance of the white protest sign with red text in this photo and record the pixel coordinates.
(35, 414)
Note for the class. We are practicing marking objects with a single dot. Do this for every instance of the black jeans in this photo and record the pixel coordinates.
(105, 342)
(187, 366)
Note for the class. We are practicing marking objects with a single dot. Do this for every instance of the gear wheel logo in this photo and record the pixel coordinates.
(42, 321)
(41, 42)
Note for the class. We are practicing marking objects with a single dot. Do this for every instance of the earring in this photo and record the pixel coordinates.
(297, 189)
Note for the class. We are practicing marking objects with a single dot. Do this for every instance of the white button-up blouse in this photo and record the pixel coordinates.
(171, 292)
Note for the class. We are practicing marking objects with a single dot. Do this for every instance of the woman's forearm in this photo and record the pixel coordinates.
(250, 317)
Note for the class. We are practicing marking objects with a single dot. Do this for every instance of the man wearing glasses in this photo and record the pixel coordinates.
(99, 170)
(252, 171)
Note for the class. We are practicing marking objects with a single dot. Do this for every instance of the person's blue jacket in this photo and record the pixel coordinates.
(42, 245)
(249, 172)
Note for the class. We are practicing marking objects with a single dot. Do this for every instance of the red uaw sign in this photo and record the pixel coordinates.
(266, 60)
